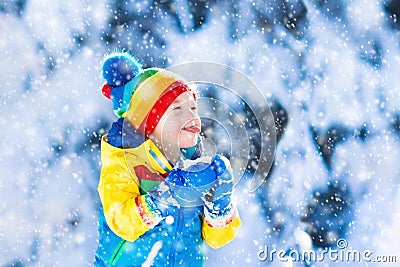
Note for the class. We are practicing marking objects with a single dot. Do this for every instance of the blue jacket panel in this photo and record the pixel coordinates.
(185, 225)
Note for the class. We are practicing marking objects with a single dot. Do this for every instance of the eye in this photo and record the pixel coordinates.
(177, 108)
(194, 108)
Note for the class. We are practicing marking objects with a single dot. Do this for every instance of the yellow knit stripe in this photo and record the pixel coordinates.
(146, 95)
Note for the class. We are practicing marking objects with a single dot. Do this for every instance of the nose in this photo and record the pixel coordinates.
(196, 121)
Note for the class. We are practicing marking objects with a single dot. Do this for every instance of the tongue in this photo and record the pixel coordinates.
(193, 129)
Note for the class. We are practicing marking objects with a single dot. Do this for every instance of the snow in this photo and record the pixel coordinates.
(341, 70)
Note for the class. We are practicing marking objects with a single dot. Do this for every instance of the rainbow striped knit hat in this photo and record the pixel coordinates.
(140, 95)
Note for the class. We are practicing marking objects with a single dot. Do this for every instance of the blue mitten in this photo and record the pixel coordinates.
(218, 198)
(184, 187)
(192, 182)
(204, 180)
(165, 194)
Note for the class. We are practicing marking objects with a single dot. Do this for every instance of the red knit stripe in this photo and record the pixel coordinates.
(162, 104)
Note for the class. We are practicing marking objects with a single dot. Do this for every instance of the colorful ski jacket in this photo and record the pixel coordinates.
(132, 232)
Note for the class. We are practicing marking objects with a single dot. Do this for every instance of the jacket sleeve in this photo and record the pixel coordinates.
(128, 214)
(219, 230)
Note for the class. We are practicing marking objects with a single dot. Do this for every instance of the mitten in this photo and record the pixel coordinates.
(192, 182)
(182, 188)
(162, 196)
(218, 198)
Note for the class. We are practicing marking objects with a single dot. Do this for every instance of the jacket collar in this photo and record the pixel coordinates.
(158, 161)
(123, 136)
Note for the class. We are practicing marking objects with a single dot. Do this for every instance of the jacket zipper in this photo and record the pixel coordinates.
(118, 251)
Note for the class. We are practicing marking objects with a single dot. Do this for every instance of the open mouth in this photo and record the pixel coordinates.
(192, 129)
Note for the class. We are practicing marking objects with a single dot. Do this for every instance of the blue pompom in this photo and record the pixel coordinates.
(119, 68)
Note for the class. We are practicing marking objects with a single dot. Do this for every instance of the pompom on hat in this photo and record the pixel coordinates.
(140, 95)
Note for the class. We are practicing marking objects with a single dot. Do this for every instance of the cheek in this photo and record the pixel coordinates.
(174, 130)
(171, 128)
(174, 122)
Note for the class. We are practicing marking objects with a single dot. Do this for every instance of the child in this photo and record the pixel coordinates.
(153, 213)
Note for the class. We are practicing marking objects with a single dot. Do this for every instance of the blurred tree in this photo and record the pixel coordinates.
(15, 7)
(329, 214)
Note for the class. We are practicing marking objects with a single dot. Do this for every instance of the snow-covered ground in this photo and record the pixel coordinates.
(336, 74)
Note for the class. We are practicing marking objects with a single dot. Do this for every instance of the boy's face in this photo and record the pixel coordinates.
(180, 124)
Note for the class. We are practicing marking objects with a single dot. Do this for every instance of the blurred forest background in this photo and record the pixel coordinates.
(329, 69)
